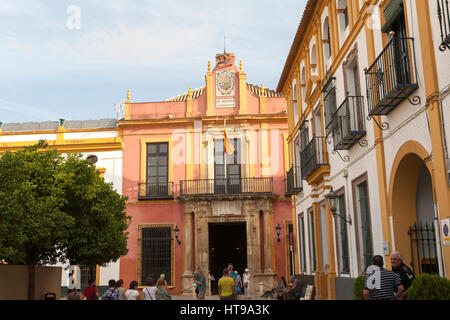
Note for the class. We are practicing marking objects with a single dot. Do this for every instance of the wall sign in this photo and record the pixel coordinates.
(445, 230)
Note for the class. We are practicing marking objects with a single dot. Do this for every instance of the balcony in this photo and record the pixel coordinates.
(392, 77)
(348, 123)
(314, 157)
(155, 191)
(293, 181)
(223, 187)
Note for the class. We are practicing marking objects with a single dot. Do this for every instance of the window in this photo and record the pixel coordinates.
(342, 236)
(312, 241)
(343, 18)
(353, 90)
(303, 86)
(157, 169)
(314, 59)
(298, 175)
(294, 103)
(156, 253)
(304, 135)
(329, 101)
(326, 42)
(87, 273)
(227, 179)
(324, 237)
(302, 246)
(290, 227)
(363, 224)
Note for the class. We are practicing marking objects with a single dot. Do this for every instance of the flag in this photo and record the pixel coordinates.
(228, 146)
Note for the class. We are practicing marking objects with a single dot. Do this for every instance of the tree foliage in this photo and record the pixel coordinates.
(32, 220)
(99, 236)
(58, 209)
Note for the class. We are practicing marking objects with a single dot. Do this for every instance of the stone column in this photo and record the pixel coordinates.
(202, 241)
(267, 244)
(267, 276)
(253, 243)
(188, 276)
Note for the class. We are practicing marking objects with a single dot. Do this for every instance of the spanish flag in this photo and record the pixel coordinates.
(228, 146)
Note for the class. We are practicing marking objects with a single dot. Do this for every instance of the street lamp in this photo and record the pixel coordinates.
(332, 199)
(176, 230)
(278, 228)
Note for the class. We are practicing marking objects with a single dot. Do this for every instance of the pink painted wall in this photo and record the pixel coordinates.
(171, 212)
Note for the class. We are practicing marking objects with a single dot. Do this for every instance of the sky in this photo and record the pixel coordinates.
(76, 59)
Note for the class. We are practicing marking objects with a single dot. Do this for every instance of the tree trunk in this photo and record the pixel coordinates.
(31, 281)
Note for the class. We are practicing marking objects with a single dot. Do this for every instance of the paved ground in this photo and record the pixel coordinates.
(215, 297)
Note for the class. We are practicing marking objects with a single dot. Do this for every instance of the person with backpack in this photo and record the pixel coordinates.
(112, 293)
(91, 292)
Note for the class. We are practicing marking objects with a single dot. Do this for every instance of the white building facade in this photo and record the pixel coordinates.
(368, 106)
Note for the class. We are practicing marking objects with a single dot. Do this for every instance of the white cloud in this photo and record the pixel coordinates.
(140, 45)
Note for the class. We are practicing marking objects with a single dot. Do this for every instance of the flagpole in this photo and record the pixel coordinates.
(224, 152)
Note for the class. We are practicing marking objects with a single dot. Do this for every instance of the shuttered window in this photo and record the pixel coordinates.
(365, 225)
(342, 237)
(312, 241)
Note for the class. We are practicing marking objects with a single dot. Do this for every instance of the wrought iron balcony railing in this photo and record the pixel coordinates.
(154, 191)
(293, 181)
(443, 13)
(313, 156)
(231, 186)
(348, 123)
(392, 77)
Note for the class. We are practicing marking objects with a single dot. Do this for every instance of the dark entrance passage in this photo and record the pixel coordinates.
(227, 243)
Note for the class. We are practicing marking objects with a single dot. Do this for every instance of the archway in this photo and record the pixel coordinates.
(412, 208)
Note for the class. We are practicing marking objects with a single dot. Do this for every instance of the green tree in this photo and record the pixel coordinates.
(99, 236)
(32, 220)
(58, 209)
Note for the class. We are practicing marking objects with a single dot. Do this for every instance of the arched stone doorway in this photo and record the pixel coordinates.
(413, 208)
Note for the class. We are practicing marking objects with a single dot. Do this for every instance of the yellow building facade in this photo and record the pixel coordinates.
(367, 87)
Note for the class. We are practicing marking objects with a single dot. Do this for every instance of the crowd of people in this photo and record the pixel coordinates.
(380, 284)
(116, 291)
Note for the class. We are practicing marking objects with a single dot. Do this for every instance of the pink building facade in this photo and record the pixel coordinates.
(192, 205)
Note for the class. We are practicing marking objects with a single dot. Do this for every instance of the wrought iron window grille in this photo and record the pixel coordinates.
(443, 13)
(423, 248)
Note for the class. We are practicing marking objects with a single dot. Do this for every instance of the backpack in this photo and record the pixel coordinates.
(108, 297)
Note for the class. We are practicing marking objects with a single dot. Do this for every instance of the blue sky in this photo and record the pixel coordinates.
(76, 59)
